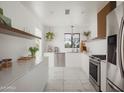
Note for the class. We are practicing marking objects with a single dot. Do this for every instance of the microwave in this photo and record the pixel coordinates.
(112, 49)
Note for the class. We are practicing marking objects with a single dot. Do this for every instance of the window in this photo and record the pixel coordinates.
(72, 40)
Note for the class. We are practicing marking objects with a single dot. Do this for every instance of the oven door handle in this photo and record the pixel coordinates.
(113, 86)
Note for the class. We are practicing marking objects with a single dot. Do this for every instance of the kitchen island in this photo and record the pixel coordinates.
(25, 76)
(72, 60)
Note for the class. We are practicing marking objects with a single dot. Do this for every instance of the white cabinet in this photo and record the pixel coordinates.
(32, 81)
(51, 58)
(73, 59)
(85, 63)
(78, 60)
(103, 76)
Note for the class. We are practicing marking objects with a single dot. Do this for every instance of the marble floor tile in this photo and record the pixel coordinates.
(58, 77)
(88, 87)
(72, 84)
(53, 90)
(73, 90)
(71, 78)
(72, 81)
(83, 81)
(55, 84)
(63, 79)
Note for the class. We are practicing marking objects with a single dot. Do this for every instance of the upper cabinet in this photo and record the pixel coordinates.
(101, 19)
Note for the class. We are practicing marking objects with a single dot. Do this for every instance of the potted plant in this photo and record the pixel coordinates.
(50, 36)
(33, 51)
(87, 34)
(1, 11)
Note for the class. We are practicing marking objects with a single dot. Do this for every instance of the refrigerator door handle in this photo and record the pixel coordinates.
(113, 86)
(120, 46)
(122, 49)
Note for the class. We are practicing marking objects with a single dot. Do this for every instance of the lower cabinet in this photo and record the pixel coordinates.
(32, 81)
(51, 58)
(73, 60)
(85, 63)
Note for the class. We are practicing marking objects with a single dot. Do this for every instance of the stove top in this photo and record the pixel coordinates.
(101, 57)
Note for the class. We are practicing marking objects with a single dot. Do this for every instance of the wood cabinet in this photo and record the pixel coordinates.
(101, 19)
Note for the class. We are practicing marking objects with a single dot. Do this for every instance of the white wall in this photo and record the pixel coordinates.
(59, 37)
(83, 16)
(20, 16)
(44, 43)
(14, 47)
(95, 47)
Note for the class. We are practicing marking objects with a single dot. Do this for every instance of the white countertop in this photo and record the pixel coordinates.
(18, 69)
(69, 52)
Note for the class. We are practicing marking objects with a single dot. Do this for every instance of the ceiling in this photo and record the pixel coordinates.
(52, 13)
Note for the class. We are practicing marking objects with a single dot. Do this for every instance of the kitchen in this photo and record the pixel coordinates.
(64, 48)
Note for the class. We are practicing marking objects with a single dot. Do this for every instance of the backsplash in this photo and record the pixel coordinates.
(97, 47)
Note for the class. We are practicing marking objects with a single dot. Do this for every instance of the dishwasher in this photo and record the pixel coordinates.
(59, 60)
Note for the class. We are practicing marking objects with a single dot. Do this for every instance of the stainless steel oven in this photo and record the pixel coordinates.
(94, 72)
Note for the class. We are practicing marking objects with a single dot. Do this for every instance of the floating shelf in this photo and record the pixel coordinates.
(16, 32)
(93, 39)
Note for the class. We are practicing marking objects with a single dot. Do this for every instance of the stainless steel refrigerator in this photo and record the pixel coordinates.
(115, 49)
